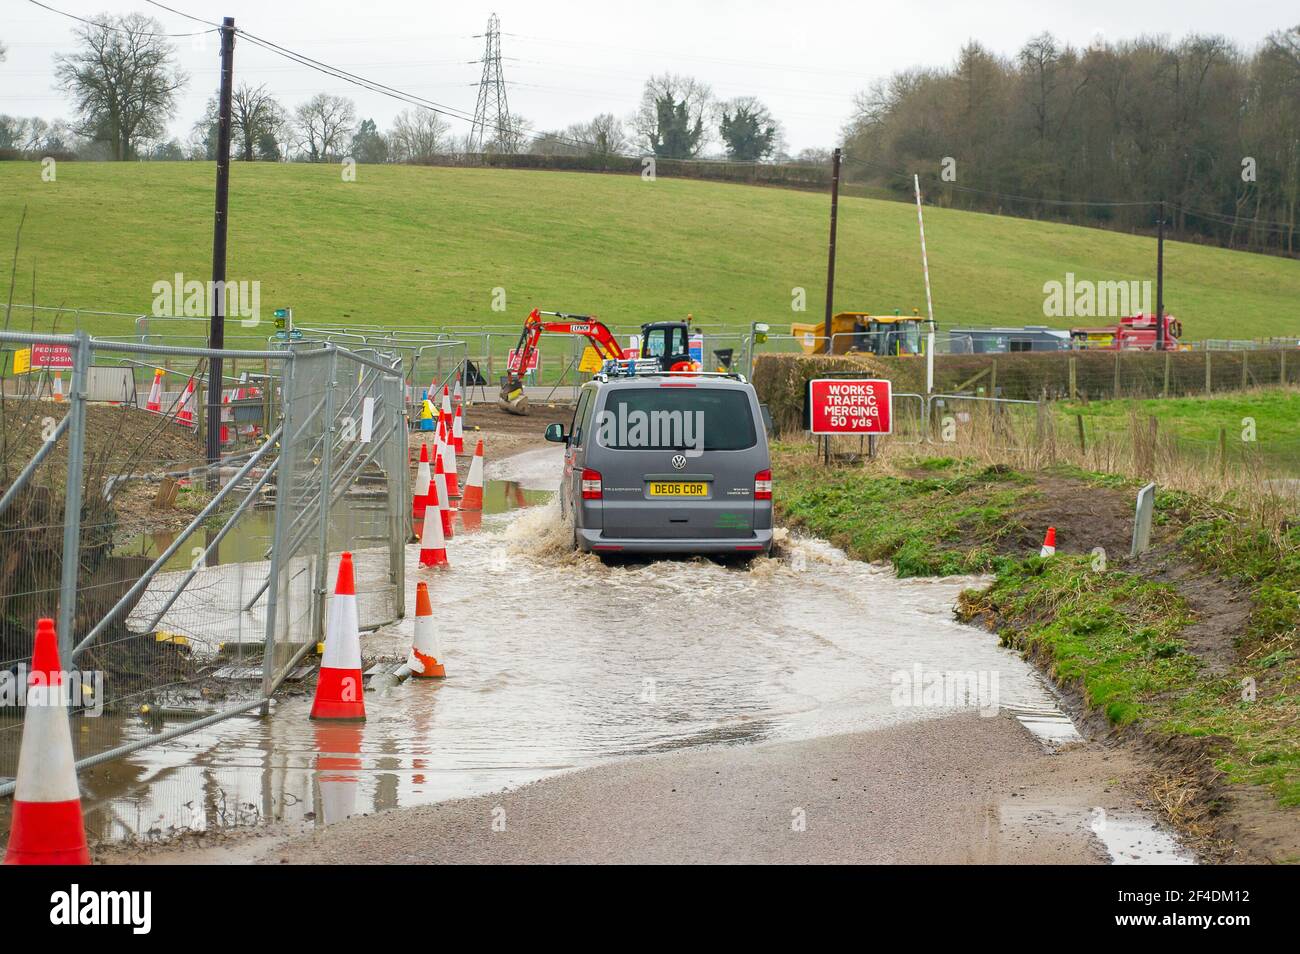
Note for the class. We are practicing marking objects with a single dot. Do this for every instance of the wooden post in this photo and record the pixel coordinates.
(1117, 375)
(1281, 367)
(1154, 426)
(1223, 450)
(1244, 372)
(1209, 389)
(1074, 377)
(1083, 444)
(1164, 391)
(993, 379)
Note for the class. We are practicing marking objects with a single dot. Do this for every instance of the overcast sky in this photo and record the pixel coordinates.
(568, 61)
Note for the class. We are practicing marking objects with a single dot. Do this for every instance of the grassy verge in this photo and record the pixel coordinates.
(1117, 632)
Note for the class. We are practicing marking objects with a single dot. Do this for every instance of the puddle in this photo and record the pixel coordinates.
(557, 661)
(1129, 839)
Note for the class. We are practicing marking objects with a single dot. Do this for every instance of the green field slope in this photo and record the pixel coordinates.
(427, 246)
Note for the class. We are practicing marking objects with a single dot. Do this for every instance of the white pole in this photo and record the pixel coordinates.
(929, 303)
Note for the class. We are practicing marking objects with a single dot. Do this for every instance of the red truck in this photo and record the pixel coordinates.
(1132, 333)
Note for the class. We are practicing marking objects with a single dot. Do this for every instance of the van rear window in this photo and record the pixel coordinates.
(676, 419)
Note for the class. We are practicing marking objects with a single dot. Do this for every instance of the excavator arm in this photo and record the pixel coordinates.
(535, 325)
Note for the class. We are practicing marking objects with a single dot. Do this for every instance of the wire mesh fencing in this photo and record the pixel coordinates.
(186, 590)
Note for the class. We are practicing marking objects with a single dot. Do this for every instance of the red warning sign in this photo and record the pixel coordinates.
(512, 360)
(850, 406)
(56, 357)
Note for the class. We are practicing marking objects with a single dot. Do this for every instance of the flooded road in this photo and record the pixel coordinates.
(556, 662)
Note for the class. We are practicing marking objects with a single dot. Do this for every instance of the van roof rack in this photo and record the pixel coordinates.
(649, 368)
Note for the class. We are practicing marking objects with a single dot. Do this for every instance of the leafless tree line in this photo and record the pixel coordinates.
(1211, 130)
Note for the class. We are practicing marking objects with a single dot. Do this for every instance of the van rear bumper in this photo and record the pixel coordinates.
(595, 541)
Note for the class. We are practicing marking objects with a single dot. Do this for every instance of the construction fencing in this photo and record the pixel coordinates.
(184, 592)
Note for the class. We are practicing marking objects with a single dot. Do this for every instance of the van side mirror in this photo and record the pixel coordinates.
(555, 434)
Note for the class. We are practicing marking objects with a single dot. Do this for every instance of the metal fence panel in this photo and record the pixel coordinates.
(164, 572)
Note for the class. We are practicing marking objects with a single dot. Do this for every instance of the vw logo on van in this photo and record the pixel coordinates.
(679, 461)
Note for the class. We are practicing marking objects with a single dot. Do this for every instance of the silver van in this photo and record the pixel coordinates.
(667, 463)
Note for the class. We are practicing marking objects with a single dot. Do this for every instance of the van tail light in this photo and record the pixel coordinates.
(763, 485)
(591, 484)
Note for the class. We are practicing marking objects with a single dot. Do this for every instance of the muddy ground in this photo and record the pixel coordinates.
(505, 434)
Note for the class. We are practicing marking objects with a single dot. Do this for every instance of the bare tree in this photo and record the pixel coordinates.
(513, 138)
(254, 113)
(604, 136)
(123, 79)
(417, 135)
(324, 125)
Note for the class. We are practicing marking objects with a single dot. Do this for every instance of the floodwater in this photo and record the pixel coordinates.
(557, 661)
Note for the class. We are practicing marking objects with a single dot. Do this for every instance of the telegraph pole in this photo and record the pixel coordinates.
(1160, 279)
(217, 325)
(830, 260)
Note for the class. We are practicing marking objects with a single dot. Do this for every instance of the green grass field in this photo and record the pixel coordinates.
(1265, 421)
(427, 246)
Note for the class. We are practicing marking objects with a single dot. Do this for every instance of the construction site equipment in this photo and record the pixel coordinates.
(46, 826)
(425, 651)
(154, 402)
(339, 690)
(444, 499)
(859, 332)
(433, 543)
(1049, 543)
(1130, 333)
(472, 498)
(420, 497)
(667, 343)
(1007, 340)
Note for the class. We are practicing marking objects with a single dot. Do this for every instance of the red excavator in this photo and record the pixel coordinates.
(666, 341)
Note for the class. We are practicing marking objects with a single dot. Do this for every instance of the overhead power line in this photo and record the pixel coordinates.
(108, 26)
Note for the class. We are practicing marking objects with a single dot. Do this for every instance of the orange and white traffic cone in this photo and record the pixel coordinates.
(458, 432)
(420, 499)
(446, 402)
(423, 661)
(433, 542)
(448, 458)
(46, 827)
(444, 502)
(227, 415)
(154, 403)
(58, 388)
(1049, 543)
(185, 416)
(339, 690)
(472, 498)
(457, 395)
